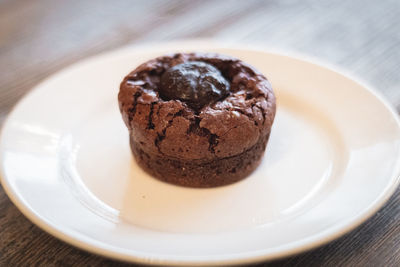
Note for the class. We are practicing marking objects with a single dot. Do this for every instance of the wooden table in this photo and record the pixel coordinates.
(38, 38)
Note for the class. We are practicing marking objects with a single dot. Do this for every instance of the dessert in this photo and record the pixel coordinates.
(197, 120)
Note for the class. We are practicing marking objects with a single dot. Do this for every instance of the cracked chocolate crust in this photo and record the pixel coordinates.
(171, 131)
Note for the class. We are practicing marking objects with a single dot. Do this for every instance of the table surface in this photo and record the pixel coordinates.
(38, 38)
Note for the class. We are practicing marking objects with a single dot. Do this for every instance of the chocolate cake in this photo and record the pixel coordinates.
(197, 120)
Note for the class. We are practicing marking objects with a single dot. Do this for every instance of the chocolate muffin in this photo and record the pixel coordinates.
(197, 120)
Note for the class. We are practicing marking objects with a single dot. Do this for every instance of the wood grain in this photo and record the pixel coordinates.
(38, 38)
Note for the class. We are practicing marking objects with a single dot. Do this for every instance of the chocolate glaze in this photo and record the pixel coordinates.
(196, 83)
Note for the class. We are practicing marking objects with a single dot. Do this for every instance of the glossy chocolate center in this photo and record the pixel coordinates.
(196, 83)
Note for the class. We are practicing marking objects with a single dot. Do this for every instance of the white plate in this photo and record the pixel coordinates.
(332, 161)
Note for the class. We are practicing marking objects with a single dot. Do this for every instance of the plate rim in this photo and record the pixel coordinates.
(91, 245)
